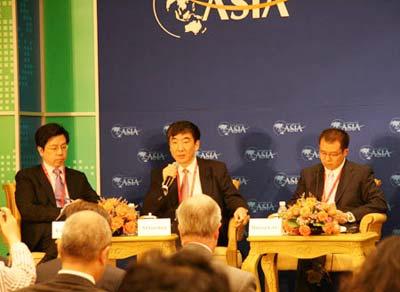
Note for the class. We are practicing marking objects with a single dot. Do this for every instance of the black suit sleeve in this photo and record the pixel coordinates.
(231, 196)
(155, 202)
(372, 197)
(33, 204)
(85, 191)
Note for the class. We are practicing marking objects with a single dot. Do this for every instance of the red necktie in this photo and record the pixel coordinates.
(184, 186)
(59, 190)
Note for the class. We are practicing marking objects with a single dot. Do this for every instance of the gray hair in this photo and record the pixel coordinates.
(85, 234)
(198, 215)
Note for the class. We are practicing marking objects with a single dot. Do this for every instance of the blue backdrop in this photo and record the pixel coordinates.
(260, 84)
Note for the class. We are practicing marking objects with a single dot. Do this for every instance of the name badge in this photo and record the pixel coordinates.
(265, 227)
(154, 227)
(56, 229)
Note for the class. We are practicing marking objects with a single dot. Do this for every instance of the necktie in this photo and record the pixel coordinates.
(329, 186)
(59, 190)
(184, 186)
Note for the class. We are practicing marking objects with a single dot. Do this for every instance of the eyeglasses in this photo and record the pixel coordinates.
(54, 148)
(330, 155)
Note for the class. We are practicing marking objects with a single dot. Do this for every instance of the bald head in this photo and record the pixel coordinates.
(198, 215)
(85, 235)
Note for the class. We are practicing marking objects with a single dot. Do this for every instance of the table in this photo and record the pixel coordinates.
(357, 245)
(126, 246)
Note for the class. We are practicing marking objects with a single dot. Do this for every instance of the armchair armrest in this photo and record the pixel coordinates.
(372, 222)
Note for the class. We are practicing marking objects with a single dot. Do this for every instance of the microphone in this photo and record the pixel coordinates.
(168, 181)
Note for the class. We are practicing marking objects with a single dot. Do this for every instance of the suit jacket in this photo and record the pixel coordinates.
(37, 204)
(239, 281)
(63, 283)
(110, 281)
(215, 182)
(356, 192)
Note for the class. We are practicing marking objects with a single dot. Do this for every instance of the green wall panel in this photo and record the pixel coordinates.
(82, 145)
(7, 94)
(69, 55)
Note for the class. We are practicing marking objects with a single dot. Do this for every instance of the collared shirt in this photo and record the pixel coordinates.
(52, 178)
(328, 183)
(201, 244)
(192, 168)
(22, 272)
(79, 274)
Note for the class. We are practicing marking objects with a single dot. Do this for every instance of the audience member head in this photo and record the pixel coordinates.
(81, 205)
(85, 242)
(184, 271)
(199, 219)
(52, 144)
(381, 269)
(333, 147)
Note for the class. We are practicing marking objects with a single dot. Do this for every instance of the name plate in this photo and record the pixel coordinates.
(56, 229)
(265, 227)
(154, 227)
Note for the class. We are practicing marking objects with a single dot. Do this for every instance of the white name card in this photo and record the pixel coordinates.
(154, 227)
(265, 227)
(56, 229)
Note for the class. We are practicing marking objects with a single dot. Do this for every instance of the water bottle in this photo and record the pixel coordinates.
(282, 209)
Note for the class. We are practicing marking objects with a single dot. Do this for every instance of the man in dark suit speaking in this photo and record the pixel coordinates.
(190, 176)
(336, 180)
(43, 190)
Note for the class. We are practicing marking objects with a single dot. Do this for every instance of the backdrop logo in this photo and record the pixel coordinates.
(260, 206)
(118, 131)
(281, 180)
(394, 125)
(346, 126)
(283, 127)
(165, 129)
(309, 153)
(226, 129)
(242, 179)
(146, 156)
(252, 154)
(208, 154)
(120, 181)
(395, 180)
(368, 152)
(180, 18)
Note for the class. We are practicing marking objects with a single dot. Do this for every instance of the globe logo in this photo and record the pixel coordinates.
(145, 156)
(179, 18)
(394, 125)
(309, 153)
(120, 181)
(366, 152)
(279, 127)
(395, 180)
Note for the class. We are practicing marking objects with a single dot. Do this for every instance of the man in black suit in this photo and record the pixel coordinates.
(43, 190)
(349, 185)
(192, 176)
(83, 250)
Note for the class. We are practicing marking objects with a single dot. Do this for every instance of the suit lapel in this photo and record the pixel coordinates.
(70, 183)
(205, 174)
(48, 189)
(319, 188)
(345, 178)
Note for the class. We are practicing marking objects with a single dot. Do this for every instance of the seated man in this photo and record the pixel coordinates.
(22, 271)
(112, 276)
(190, 176)
(43, 190)
(83, 250)
(349, 185)
(199, 220)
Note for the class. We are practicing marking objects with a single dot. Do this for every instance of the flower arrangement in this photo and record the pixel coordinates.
(308, 216)
(123, 215)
